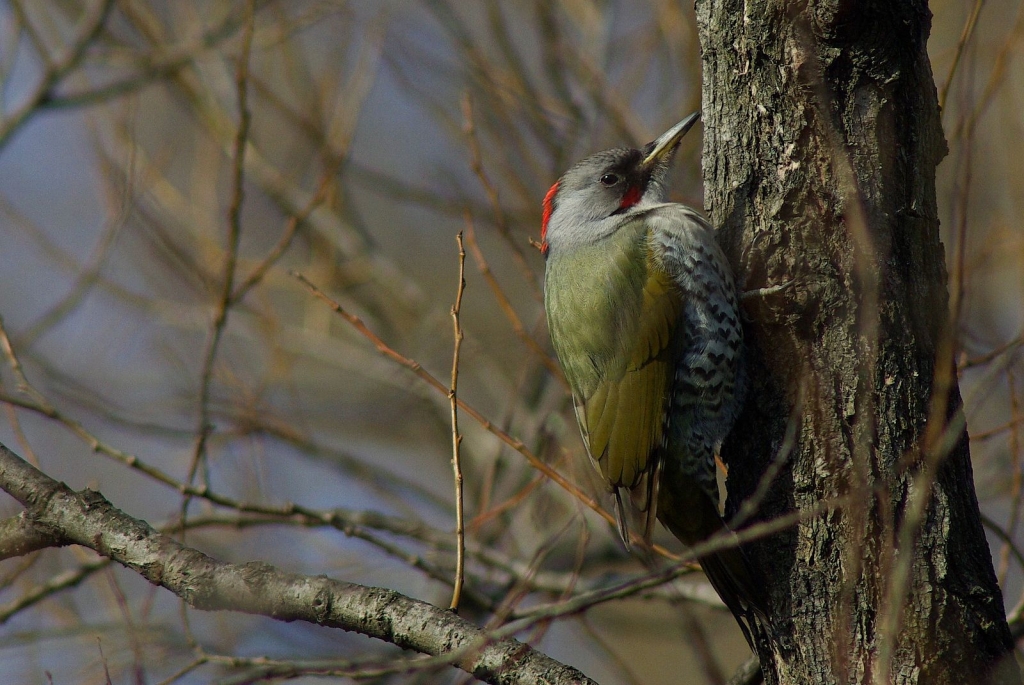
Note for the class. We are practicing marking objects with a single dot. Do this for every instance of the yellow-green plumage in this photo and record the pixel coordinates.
(644, 319)
(612, 313)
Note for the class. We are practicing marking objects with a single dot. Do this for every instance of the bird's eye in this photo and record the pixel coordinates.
(609, 180)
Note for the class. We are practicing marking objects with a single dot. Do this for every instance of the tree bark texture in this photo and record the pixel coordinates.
(822, 135)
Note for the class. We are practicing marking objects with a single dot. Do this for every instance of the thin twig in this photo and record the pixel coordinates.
(965, 36)
(90, 274)
(295, 221)
(7, 347)
(510, 502)
(234, 221)
(1000, 533)
(998, 430)
(429, 379)
(352, 524)
(92, 24)
(336, 518)
(477, 165)
(700, 645)
(337, 148)
(185, 670)
(62, 581)
(996, 76)
(504, 304)
(131, 628)
(1006, 348)
(460, 521)
(1016, 490)
(640, 584)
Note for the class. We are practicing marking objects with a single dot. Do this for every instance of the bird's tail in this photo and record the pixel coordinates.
(730, 575)
(692, 517)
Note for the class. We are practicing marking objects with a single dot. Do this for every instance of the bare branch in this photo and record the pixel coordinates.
(91, 26)
(234, 232)
(460, 518)
(20, 536)
(206, 583)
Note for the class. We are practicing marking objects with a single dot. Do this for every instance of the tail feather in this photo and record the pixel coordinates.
(729, 573)
(639, 511)
(692, 517)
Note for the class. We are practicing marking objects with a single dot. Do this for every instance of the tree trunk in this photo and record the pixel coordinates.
(822, 134)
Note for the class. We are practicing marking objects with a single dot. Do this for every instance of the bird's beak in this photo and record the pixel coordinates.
(666, 143)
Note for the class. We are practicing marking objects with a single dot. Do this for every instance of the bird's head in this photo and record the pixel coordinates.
(585, 203)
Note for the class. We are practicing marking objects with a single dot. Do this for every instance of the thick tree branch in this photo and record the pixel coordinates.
(19, 535)
(87, 519)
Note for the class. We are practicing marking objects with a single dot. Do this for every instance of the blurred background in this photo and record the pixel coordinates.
(145, 290)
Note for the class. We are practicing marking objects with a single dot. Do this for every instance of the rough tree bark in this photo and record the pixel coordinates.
(822, 134)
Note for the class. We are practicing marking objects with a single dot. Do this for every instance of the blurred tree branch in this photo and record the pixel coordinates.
(62, 516)
(56, 69)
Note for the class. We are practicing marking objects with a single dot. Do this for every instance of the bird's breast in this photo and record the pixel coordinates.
(593, 296)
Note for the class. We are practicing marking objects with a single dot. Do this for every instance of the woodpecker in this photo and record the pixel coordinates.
(644, 318)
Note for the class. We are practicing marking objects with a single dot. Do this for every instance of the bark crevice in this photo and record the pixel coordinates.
(821, 140)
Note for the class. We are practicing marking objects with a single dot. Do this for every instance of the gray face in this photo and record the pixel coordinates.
(596, 193)
(598, 186)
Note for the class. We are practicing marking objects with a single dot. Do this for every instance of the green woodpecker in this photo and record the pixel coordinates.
(643, 315)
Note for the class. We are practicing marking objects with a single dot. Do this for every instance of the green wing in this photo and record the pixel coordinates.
(623, 418)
